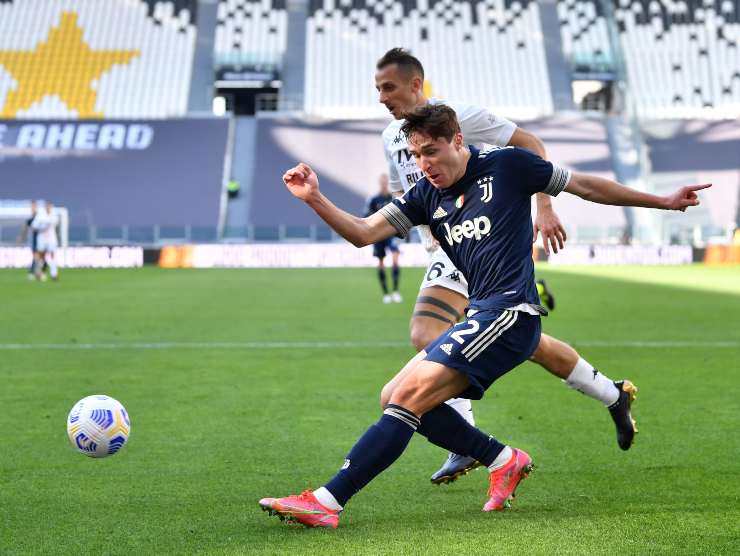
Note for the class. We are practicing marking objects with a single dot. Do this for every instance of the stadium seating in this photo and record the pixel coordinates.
(487, 52)
(585, 35)
(251, 33)
(682, 57)
(94, 59)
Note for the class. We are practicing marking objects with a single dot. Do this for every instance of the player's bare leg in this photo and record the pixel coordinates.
(52, 263)
(39, 258)
(415, 406)
(383, 280)
(421, 384)
(437, 309)
(395, 275)
(564, 362)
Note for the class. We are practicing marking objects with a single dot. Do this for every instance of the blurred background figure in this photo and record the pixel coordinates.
(232, 188)
(24, 236)
(44, 224)
(374, 204)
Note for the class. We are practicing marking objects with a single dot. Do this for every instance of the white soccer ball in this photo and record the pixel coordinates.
(98, 426)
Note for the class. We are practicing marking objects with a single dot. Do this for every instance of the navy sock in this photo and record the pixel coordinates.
(396, 273)
(446, 428)
(383, 282)
(379, 447)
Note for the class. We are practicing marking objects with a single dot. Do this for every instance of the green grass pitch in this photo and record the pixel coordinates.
(249, 383)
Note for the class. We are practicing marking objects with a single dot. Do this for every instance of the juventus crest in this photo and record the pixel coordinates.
(486, 184)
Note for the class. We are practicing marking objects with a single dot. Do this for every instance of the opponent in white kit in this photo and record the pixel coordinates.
(45, 225)
(443, 295)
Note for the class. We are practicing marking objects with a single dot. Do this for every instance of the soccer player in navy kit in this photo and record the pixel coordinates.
(443, 293)
(374, 204)
(33, 240)
(478, 203)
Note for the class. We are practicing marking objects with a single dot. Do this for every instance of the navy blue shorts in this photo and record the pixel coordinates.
(486, 346)
(380, 247)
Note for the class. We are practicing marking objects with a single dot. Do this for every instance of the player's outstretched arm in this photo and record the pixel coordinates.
(303, 183)
(608, 192)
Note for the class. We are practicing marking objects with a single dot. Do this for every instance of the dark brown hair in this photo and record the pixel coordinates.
(407, 63)
(433, 120)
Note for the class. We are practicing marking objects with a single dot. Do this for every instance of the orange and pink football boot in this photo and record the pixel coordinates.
(503, 481)
(303, 508)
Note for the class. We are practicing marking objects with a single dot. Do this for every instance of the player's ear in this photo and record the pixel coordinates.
(458, 140)
(417, 83)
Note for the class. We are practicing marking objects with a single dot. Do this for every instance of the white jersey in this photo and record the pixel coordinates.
(479, 127)
(46, 226)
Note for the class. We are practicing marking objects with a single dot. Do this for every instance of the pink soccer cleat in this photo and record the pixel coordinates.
(503, 481)
(303, 508)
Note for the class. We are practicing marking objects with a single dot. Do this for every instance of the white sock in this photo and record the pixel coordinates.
(327, 499)
(464, 408)
(587, 380)
(501, 459)
(52, 267)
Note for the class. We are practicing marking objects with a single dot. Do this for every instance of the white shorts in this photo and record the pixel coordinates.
(46, 246)
(442, 273)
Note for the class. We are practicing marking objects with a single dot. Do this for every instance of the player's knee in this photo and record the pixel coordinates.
(405, 395)
(385, 394)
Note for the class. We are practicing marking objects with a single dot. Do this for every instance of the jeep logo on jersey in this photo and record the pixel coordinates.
(475, 228)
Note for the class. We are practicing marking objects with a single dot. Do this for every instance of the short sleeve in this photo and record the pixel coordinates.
(536, 175)
(406, 211)
(479, 126)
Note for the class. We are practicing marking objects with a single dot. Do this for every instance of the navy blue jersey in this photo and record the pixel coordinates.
(376, 203)
(34, 233)
(484, 224)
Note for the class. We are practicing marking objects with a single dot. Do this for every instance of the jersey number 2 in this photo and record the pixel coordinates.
(458, 336)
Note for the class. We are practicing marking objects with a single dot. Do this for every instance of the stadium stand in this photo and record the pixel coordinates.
(251, 33)
(682, 57)
(346, 37)
(88, 59)
(585, 35)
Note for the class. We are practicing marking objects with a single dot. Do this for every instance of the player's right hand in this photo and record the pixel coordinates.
(302, 182)
(685, 197)
(427, 239)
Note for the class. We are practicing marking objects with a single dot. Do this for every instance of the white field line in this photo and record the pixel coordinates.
(341, 345)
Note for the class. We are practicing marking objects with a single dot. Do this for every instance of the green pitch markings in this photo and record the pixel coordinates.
(243, 384)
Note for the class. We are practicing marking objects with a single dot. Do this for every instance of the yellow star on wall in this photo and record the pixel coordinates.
(64, 66)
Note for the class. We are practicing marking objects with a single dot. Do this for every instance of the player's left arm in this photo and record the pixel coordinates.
(608, 192)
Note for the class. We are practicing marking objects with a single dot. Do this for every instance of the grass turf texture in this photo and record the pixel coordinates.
(215, 429)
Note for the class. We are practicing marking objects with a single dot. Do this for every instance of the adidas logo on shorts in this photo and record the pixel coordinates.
(447, 348)
(439, 213)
